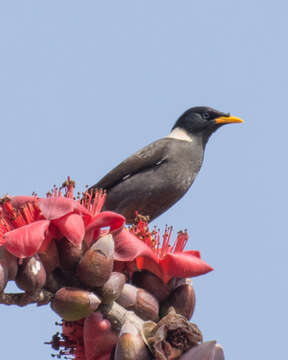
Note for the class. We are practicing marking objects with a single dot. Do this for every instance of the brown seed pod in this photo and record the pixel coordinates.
(182, 299)
(50, 258)
(31, 274)
(3, 275)
(69, 254)
(112, 288)
(130, 344)
(11, 261)
(150, 282)
(140, 301)
(96, 265)
(73, 304)
(172, 336)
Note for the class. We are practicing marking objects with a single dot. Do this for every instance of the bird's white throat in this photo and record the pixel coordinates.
(180, 134)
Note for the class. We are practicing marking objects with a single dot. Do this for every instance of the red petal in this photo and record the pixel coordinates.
(144, 263)
(45, 244)
(99, 338)
(26, 240)
(193, 252)
(183, 264)
(106, 218)
(55, 207)
(128, 247)
(72, 227)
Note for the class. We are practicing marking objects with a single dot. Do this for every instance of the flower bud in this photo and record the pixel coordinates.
(69, 254)
(50, 258)
(150, 282)
(11, 262)
(130, 344)
(147, 306)
(112, 288)
(140, 301)
(31, 274)
(53, 283)
(99, 337)
(182, 299)
(219, 352)
(96, 265)
(3, 275)
(206, 350)
(128, 296)
(73, 304)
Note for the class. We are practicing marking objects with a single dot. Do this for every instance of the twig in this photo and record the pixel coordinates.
(41, 297)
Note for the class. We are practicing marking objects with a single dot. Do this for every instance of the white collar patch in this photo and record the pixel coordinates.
(180, 134)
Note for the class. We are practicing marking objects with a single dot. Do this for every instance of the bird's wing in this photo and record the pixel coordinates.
(150, 156)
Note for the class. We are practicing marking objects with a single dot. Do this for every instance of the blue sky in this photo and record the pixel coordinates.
(84, 85)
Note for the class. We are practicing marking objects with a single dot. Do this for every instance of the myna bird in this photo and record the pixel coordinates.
(157, 176)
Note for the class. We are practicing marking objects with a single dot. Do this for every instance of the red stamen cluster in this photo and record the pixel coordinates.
(12, 218)
(93, 202)
(153, 238)
(70, 345)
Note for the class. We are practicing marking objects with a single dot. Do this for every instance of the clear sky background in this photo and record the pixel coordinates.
(85, 84)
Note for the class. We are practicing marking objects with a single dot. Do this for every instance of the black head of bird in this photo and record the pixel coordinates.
(157, 176)
(202, 121)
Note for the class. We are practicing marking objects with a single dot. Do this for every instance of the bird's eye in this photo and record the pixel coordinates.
(206, 115)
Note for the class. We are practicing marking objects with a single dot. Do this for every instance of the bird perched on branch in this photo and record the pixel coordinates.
(157, 176)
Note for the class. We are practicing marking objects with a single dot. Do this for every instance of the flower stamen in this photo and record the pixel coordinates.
(140, 228)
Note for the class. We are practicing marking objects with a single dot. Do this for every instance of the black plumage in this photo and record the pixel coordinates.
(157, 176)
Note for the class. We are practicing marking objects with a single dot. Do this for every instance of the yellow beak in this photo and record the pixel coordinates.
(228, 120)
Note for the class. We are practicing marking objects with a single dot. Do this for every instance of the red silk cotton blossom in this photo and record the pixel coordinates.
(29, 223)
(91, 338)
(144, 250)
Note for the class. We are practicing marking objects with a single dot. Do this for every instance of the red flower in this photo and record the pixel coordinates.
(99, 338)
(146, 251)
(89, 339)
(29, 223)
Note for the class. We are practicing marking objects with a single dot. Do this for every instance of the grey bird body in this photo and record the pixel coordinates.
(162, 173)
(157, 176)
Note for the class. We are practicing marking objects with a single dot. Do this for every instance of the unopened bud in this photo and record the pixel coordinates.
(112, 288)
(219, 352)
(3, 275)
(140, 301)
(73, 304)
(96, 265)
(53, 283)
(150, 282)
(130, 344)
(206, 350)
(31, 275)
(182, 299)
(11, 262)
(69, 254)
(50, 258)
